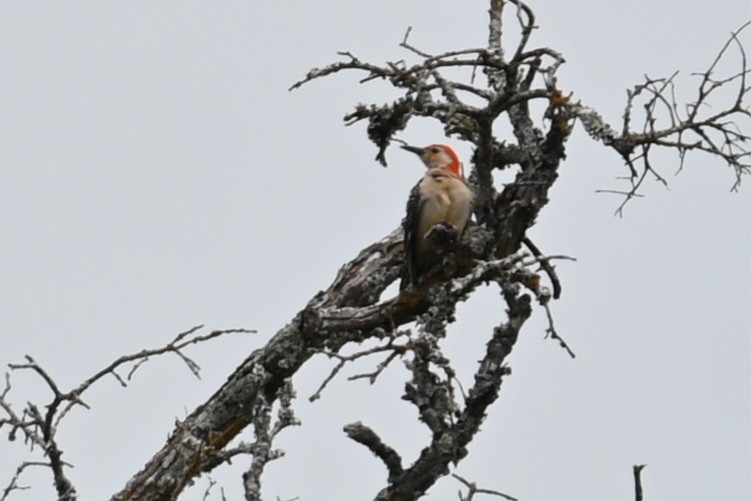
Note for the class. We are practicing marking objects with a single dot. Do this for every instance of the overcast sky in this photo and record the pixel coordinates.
(156, 174)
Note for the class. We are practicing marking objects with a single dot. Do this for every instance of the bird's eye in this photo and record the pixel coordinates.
(434, 150)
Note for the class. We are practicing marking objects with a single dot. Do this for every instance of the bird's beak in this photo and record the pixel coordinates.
(414, 149)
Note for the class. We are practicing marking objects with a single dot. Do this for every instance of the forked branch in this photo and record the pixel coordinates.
(700, 125)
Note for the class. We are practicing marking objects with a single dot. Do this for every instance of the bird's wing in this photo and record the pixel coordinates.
(415, 206)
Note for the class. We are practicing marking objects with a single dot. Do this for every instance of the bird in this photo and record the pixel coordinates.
(438, 210)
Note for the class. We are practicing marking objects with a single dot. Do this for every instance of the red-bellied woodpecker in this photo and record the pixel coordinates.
(441, 197)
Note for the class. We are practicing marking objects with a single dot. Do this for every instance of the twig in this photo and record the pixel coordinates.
(372, 376)
(637, 481)
(13, 485)
(554, 334)
(206, 493)
(545, 265)
(473, 489)
(344, 359)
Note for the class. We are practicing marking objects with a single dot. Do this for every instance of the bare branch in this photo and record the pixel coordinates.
(372, 376)
(395, 350)
(450, 436)
(554, 334)
(526, 19)
(718, 134)
(473, 489)
(367, 437)
(40, 428)
(546, 266)
(265, 434)
(637, 481)
(211, 485)
(14, 485)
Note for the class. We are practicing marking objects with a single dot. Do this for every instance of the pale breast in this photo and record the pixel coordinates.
(447, 199)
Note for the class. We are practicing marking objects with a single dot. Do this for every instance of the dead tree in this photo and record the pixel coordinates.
(468, 91)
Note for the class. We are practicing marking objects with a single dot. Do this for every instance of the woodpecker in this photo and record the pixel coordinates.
(441, 197)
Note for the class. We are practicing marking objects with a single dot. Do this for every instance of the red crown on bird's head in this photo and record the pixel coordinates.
(455, 166)
(440, 156)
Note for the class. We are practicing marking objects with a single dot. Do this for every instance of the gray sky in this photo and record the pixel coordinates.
(156, 174)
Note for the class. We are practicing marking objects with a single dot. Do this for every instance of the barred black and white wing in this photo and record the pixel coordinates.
(411, 226)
